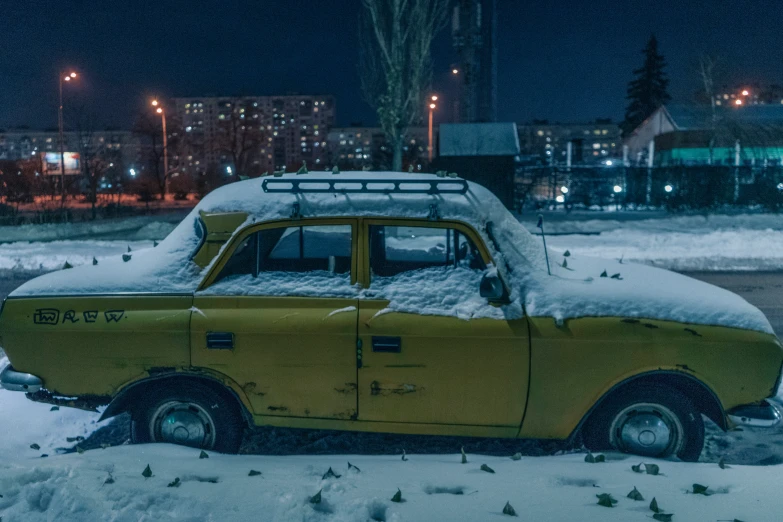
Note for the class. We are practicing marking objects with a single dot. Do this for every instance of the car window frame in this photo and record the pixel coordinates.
(240, 236)
(462, 227)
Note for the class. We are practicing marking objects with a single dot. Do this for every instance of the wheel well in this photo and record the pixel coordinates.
(702, 396)
(130, 396)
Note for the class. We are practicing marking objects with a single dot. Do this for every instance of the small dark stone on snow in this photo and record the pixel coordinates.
(330, 474)
(203, 455)
(35, 446)
(253, 473)
(486, 468)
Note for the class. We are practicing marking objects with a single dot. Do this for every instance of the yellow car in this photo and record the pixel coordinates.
(387, 302)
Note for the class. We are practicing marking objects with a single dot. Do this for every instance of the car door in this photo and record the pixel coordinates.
(277, 314)
(426, 357)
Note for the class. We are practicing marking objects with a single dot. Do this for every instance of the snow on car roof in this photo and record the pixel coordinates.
(572, 291)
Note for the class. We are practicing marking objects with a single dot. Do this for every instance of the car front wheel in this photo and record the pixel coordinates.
(647, 420)
(189, 415)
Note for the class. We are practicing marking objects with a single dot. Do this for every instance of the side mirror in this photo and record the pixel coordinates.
(491, 287)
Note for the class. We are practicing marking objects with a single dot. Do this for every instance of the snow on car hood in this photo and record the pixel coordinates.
(572, 291)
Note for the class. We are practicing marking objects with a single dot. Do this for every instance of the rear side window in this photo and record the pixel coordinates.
(397, 249)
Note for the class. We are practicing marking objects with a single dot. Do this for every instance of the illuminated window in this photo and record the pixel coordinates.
(596, 145)
(604, 131)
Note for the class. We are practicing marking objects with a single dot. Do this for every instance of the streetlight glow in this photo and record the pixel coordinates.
(745, 92)
(738, 102)
(668, 188)
(432, 106)
(434, 97)
(154, 103)
(455, 71)
(564, 190)
(159, 110)
(618, 189)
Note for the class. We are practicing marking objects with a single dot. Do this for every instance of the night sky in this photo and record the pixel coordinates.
(563, 61)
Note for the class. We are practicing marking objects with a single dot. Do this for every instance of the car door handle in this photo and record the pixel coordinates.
(220, 341)
(386, 344)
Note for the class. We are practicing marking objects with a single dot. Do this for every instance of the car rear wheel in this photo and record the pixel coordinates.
(647, 420)
(189, 415)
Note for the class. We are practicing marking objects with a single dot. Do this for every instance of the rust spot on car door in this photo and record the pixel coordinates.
(398, 389)
(350, 387)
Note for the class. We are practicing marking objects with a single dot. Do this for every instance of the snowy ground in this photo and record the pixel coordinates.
(433, 487)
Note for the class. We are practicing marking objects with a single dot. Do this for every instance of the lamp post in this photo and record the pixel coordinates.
(433, 106)
(162, 113)
(64, 77)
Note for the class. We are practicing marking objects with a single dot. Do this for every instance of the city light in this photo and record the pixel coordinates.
(745, 92)
(434, 98)
(564, 190)
(668, 188)
(608, 163)
(229, 171)
(780, 186)
(132, 173)
(455, 71)
(154, 103)
(618, 189)
(432, 106)
(560, 199)
(737, 102)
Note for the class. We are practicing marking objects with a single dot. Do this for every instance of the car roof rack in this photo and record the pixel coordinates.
(366, 186)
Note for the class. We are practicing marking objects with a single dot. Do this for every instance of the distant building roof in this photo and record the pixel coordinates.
(479, 139)
(693, 117)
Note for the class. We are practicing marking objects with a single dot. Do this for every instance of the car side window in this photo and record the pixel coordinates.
(397, 249)
(300, 260)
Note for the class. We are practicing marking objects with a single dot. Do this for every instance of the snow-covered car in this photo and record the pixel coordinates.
(387, 302)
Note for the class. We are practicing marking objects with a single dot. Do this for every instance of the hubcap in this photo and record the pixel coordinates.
(183, 423)
(650, 430)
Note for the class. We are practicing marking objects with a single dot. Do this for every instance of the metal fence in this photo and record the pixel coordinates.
(672, 188)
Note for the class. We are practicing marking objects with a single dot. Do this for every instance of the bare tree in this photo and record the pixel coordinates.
(706, 73)
(395, 61)
(240, 135)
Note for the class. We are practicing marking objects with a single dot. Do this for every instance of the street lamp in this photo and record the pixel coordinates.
(63, 77)
(433, 106)
(159, 110)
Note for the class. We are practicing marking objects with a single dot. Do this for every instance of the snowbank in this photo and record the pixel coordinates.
(575, 291)
(74, 488)
(142, 227)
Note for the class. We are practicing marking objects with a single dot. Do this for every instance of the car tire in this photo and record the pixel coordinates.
(188, 414)
(647, 420)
